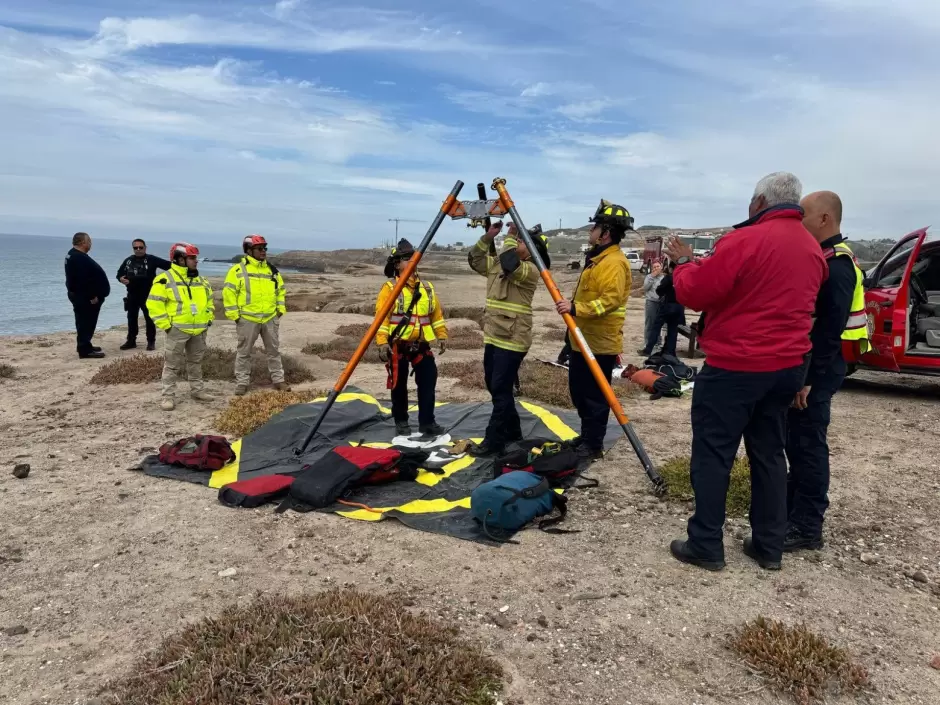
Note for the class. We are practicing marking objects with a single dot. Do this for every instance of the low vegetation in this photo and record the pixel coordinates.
(543, 383)
(676, 473)
(351, 334)
(7, 371)
(245, 414)
(555, 334)
(218, 364)
(794, 660)
(472, 313)
(339, 646)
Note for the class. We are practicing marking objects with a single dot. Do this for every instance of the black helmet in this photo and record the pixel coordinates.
(404, 250)
(541, 244)
(613, 216)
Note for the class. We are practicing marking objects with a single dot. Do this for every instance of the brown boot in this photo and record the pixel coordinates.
(241, 390)
(281, 386)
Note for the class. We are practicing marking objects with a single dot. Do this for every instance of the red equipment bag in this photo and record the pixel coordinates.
(198, 452)
(256, 491)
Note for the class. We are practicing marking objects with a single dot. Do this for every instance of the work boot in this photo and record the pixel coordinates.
(750, 550)
(281, 386)
(585, 452)
(95, 348)
(796, 540)
(241, 390)
(129, 345)
(642, 351)
(483, 450)
(167, 404)
(402, 428)
(94, 355)
(151, 346)
(681, 552)
(432, 429)
(202, 396)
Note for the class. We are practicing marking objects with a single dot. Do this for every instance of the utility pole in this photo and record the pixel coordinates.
(401, 220)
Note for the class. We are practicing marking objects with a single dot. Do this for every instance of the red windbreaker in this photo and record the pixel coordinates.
(758, 291)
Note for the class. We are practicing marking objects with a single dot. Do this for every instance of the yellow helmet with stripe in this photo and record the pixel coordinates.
(611, 215)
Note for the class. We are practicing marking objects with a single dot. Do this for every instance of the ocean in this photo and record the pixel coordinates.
(32, 275)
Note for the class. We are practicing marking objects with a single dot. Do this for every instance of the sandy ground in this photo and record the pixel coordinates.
(99, 563)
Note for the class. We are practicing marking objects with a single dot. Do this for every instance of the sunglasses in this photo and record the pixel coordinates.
(138, 247)
(263, 248)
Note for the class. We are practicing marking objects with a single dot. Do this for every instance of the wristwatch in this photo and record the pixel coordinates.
(683, 260)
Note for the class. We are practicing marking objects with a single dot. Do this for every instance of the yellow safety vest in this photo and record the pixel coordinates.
(253, 291)
(858, 326)
(181, 302)
(418, 322)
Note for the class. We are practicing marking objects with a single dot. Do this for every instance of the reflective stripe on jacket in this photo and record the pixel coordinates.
(426, 320)
(857, 327)
(507, 321)
(182, 302)
(253, 291)
(600, 300)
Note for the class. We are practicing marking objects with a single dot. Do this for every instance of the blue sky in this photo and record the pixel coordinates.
(316, 122)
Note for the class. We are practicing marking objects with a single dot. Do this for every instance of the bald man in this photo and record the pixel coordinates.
(808, 418)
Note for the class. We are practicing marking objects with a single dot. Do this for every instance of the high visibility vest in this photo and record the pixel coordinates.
(417, 325)
(858, 326)
(253, 291)
(181, 302)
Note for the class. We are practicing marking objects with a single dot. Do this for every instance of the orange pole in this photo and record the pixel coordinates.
(381, 314)
(499, 185)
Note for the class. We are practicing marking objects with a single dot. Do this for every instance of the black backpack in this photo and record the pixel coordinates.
(555, 461)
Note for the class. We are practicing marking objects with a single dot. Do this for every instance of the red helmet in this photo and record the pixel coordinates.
(184, 249)
(253, 241)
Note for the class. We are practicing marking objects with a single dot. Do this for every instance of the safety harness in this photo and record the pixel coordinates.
(413, 353)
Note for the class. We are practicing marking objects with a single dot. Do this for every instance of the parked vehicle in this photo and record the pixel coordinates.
(652, 252)
(635, 260)
(902, 299)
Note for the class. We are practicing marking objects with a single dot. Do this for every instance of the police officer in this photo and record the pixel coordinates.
(87, 287)
(254, 297)
(405, 337)
(599, 308)
(137, 273)
(511, 281)
(180, 303)
(840, 315)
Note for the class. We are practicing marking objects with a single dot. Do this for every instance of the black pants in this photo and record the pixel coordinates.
(136, 303)
(808, 454)
(86, 320)
(672, 316)
(588, 398)
(726, 406)
(426, 380)
(500, 371)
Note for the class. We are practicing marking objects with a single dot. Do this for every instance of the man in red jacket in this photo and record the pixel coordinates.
(757, 292)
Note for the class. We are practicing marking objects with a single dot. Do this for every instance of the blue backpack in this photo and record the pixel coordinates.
(505, 504)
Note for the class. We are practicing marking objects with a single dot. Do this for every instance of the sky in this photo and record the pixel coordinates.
(315, 122)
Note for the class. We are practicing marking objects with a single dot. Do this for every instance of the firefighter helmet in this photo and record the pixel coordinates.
(404, 250)
(183, 249)
(611, 215)
(253, 241)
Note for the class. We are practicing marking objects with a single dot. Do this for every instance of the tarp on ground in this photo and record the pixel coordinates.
(437, 501)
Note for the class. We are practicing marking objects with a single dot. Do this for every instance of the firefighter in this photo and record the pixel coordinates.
(840, 315)
(254, 297)
(511, 280)
(405, 337)
(599, 308)
(180, 303)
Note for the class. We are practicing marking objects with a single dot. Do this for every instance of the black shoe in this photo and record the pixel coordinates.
(95, 348)
(681, 552)
(751, 552)
(433, 429)
(585, 452)
(483, 450)
(402, 428)
(91, 355)
(129, 345)
(796, 540)
(151, 346)
(642, 352)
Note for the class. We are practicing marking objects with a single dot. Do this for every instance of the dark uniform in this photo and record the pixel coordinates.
(85, 282)
(140, 272)
(807, 446)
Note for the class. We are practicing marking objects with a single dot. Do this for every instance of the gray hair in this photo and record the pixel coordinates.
(779, 187)
(79, 239)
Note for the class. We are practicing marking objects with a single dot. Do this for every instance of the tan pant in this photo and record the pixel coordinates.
(248, 333)
(183, 350)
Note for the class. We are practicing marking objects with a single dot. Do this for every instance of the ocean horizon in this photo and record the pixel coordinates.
(32, 273)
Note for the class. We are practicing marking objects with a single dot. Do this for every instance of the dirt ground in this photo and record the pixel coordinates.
(98, 563)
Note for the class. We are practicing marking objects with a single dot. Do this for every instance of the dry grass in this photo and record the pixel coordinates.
(473, 313)
(554, 334)
(341, 350)
(794, 660)
(339, 646)
(218, 364)
(542, 383)
(7, 371)
(245, 414)
(676, 473)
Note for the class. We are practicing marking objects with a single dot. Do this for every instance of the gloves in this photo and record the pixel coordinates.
(443, 346)
(385, 353)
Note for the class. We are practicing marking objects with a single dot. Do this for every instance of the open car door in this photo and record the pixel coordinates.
(887, 303)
